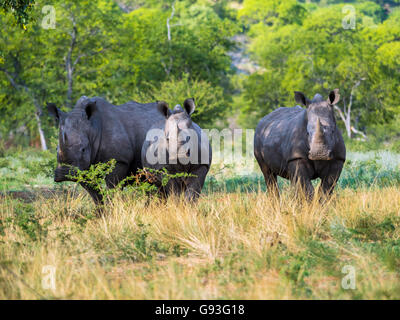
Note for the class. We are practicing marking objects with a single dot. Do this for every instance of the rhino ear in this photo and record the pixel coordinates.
(334, 97)
(56, 113)
(301, 98)
(162, 106)
(189, 106)
(90, 108)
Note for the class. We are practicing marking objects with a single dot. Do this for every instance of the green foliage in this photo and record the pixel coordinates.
(19, 8)
(95, 176)
(113, 54)
(272, 13)
(361, 170)
(136, 245)
(25, 221)
(22, 168)
(368, 173)
(30, 225)
(211, 105)
(120, 50)
(297, 267)
(143, 183)
(368, 229)
(314, 53)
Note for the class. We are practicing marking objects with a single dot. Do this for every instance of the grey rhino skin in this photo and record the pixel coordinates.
(96, 131)
(181, 153)
(301, 144)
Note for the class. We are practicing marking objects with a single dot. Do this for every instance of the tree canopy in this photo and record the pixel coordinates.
(314, 52)
(147, 50)
(19, 8)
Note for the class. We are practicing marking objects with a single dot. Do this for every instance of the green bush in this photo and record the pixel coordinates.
(395, 147)
(367, 173)
(142, 183)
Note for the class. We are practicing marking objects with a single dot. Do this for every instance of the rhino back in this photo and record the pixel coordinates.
(123, 129)
(280, 137)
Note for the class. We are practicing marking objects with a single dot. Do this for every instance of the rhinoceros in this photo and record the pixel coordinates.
(178, 145)
(97, 131)
(301, 144)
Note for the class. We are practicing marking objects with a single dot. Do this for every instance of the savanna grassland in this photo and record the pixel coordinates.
(240, 60)
(237, 242)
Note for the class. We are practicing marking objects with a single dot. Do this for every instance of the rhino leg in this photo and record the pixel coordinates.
(119, 173)
(173, 187)
(96, 196)
(300, 172)
(330, 176)
(271, 179)
(193, 185)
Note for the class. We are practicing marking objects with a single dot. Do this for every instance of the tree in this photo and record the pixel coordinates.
(102, 48)
(180, 43)
(17, 54)
(209, 100)
(320, 55)
(41, 64)
(19, 8)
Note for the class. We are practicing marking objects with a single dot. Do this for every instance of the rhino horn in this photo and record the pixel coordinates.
(318, 148)
(318, 135)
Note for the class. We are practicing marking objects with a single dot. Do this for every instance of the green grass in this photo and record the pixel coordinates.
(30, 169)
(26, 169)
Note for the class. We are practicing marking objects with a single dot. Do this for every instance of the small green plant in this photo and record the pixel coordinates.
(95, 176)
(367, 173)
(26, 220)
(4, 163)
(144, 182)
(396, 146)
(44, 165)
(2, 149)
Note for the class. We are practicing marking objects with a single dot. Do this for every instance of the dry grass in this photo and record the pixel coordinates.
(228, 245)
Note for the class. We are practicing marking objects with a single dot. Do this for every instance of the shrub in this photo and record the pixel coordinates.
(143, 183)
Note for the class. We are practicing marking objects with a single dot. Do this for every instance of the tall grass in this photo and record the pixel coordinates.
(229, 245)
(237, 242)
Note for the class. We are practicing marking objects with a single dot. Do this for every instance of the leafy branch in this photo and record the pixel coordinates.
(144, 182)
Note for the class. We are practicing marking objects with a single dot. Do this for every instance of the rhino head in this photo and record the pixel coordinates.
(179, 132)
(75, 137)
(321, 124)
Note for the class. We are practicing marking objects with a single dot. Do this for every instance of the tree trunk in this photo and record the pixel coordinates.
(69, 65)
(41, 133)
(168, 68)
(38, 112)
(345, 114)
